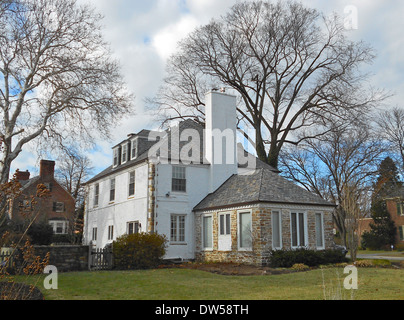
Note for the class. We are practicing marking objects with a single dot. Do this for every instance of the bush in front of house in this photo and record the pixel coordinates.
(40, 233)
(139, 251)
(312, 258)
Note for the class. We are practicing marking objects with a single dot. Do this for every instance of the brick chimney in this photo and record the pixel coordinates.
(47, 169)
(22, 175)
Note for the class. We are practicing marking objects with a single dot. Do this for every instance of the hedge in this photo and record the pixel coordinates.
(311, 258)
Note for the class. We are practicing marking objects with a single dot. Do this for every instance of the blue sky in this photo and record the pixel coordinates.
(143, 34)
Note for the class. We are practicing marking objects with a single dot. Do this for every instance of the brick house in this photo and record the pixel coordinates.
(56, 208)
(395, 207)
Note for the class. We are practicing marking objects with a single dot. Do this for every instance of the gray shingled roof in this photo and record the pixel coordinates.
(144, 146)
(262, 185)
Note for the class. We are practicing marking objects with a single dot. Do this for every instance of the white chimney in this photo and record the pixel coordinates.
(220, 137)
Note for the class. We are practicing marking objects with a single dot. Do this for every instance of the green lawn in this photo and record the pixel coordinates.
(184, 284)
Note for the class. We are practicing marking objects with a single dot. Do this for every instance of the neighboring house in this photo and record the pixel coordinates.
(395, 207)
(212, 200)
(56, 208)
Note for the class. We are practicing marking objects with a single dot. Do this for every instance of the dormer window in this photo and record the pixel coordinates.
(133, 152)
(124, 153)
(116, 157)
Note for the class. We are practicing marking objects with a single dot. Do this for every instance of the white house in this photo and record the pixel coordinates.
(196, 186)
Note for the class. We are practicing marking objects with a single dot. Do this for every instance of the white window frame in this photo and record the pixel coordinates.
(322, 247)
(176, 239)
(185, 178)
(54, 225)
(134, 143)
(239, 213)
(203, 232)
(94, 234)
(96, 199)
(115, 156)
(305, 229)
(226, 228)
(400, 208)
(111, 232)
(401, 233)
(112, 187)
(134, 227)
(133, 172)
(279, 212)
(125, 148)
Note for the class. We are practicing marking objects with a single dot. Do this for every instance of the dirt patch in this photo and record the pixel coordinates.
(230, 268)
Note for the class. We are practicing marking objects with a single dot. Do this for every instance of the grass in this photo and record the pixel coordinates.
(186, 284)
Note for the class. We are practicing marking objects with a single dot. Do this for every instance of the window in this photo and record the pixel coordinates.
(112, 190)
(116, 157)
(276, 230)
(177, 233)
(298, 228)
(207, 232)
(319, 231)
(178, 179)
(48, 185)
(245, 233)
(59, 227)
(133, 227)
(110, 232)
(131, 183)
(59, 206)
(94, 238)
(224, 224)
(25, 205)
(400, 208)
(134, 149)
(96, 194)
(124, 153)
(401, 232)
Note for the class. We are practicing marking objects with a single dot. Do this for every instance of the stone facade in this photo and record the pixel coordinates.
(261, 233)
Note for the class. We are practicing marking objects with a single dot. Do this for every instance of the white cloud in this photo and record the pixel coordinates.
(143, 34)
(165, 41)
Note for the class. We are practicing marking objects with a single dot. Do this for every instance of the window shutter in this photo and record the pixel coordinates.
(54, 206)
(400, 228)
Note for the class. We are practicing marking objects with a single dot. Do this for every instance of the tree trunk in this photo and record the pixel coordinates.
(5, 162)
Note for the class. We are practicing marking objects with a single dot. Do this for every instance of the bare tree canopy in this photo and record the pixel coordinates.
(391, 126)
(57, 76)
(339, 166)
(291, 66)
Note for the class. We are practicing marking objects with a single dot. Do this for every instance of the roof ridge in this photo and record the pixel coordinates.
(260, 184)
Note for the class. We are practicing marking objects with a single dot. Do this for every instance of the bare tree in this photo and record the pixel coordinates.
(57, 78)
(355, 202)
(74, 167)
(344, 159)
(391, 125)
(290, 65)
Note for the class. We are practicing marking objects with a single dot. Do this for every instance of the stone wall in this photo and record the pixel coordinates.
(65, 258)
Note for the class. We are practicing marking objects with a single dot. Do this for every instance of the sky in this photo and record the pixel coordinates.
(143, 35)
